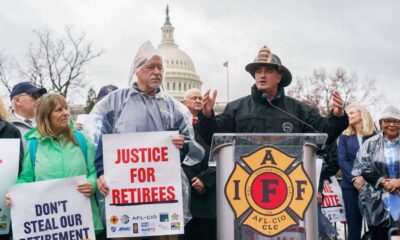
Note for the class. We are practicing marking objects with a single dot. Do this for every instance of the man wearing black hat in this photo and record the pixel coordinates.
(23, 100)
(267, 109)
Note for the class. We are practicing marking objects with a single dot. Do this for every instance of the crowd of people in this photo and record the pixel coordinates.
(368, 157)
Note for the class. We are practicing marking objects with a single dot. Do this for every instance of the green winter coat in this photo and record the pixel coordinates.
(55, 160)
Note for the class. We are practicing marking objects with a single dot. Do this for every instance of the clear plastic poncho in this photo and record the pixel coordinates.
(130, 110)
(371, 161)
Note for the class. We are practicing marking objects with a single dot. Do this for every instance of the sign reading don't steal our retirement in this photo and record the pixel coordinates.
(9, 158)
(51, 209)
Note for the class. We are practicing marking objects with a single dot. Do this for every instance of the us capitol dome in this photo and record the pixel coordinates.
(180, 71)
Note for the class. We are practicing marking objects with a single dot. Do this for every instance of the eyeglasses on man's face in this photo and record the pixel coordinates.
(35, 96)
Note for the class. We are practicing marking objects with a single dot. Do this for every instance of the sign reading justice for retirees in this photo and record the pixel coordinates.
(144, 176)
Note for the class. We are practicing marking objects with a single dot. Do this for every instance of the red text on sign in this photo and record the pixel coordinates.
(135, 155)
(143, 195)
(142, 175)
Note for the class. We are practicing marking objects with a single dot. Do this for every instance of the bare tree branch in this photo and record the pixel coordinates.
(317, 90)
(58, 64)
(9, 69)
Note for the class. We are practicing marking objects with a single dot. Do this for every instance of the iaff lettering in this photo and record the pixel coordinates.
(142, 195)
(135, 155)
(76, 234)
(265, 194)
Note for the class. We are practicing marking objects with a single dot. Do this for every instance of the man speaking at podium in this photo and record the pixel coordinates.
(267, 109)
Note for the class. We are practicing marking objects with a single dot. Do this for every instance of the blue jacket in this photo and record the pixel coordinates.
(347, 153)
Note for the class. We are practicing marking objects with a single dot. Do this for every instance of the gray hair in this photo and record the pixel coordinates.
(189, 92)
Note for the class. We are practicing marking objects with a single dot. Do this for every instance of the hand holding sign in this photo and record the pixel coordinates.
(8, 200)
(143, 177)
(102, 185)
(85, 188)
(178, 141)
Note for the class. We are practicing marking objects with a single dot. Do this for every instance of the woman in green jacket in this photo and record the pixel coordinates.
(59, 153)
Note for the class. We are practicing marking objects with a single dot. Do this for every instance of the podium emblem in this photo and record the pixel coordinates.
(269, 191)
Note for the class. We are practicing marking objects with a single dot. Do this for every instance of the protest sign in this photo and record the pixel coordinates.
(9, 160)
(144, 176)
(333, 206)
(51, 209)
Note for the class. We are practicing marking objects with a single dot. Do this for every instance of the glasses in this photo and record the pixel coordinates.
(35, 96)
(389, 121)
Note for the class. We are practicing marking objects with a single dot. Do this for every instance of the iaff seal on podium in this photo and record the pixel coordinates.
(268, 191)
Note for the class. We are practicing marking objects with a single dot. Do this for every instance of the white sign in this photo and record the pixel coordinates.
(144, 176)
(51, 209)
(333, 205)
(318, 163)
(9, 161)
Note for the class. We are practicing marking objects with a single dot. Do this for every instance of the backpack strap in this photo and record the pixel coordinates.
(83, 145)
(33, 143)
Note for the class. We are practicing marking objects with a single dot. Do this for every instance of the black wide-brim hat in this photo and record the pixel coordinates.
(267, 59)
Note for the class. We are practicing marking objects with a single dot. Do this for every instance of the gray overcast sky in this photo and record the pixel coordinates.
(360, 36)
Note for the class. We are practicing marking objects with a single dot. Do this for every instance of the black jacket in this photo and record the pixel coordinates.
(202, 206)
(7, 130)
(254, 114)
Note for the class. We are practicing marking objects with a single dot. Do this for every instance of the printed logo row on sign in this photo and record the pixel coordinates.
(3, 224)
(146, 223)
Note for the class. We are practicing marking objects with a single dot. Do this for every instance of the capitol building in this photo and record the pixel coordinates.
(180, 71)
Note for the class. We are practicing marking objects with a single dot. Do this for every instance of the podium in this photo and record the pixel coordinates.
(266, 185)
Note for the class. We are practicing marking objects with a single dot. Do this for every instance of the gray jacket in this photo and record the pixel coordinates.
(22, 126)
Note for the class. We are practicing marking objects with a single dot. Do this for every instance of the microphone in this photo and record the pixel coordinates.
(265, 96)
(321, 147)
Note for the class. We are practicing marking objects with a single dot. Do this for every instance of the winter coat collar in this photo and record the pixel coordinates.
(260, 96)
(17, 120)
(34, 133)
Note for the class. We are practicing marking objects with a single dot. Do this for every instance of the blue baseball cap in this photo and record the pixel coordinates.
(26, 87)
(104, 91)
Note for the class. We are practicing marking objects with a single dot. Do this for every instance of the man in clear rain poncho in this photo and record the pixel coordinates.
(378, 162)
(145, 107)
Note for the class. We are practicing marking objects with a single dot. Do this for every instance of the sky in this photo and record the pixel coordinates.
(359, 36)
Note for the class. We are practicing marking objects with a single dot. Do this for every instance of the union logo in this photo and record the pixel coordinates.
(114, 219)
(268, 192)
